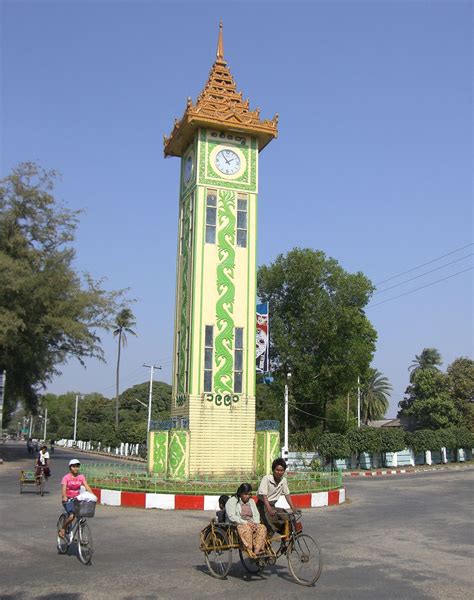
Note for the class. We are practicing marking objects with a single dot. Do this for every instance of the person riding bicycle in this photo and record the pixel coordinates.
(271, 488)
(42, 463)
(71, 487)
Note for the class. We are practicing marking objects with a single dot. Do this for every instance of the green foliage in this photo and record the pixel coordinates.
(269, 402)
(460, 375)
(333, 446)
(95, 418)
(48, 312)
(364, 439)
(429, 401)
(305, 440)
(390, 440)
(374, 391)
(429, 358)
(425, 439)
(124, 321)
(319, 329)
(338, 421)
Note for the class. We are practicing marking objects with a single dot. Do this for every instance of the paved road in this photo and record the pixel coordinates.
(400, 538)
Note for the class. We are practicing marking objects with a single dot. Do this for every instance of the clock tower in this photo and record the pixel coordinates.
(218, 140)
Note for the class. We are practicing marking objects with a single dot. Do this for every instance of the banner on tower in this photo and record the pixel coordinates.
(263, 346)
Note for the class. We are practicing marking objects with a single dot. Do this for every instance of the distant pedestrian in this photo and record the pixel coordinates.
(51, 446)
(29, 446)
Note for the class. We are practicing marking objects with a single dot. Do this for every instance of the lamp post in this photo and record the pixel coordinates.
(284, 450)
(150, 395)
(75, 415)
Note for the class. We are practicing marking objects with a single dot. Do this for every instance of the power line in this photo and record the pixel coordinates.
(424, 264)
(423, 274)
(421, 287)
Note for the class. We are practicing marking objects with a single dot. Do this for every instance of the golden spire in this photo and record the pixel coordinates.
(220, 106)
(220, 45)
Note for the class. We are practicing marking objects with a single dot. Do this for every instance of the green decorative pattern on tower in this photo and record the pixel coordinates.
(223, 378)
(184, 297)
(177, 467)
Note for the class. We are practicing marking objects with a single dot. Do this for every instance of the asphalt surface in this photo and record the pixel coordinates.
(402, 538)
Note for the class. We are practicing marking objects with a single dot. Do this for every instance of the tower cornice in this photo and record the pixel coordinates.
(220, 106)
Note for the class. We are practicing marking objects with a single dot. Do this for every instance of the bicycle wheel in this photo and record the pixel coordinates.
(305, 559)
(61, 543)
(251, 565)
(42, 485)
(84, 543)
(219, 558)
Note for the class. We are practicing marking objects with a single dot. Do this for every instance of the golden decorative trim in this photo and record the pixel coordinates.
(219, 105)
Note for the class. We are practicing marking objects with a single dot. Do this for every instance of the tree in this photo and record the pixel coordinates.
(374, 391)
(461, 388)
(319, 328)
(124, 322)
(429, 402)
(333, 446)
(429, 358)
(48, 312)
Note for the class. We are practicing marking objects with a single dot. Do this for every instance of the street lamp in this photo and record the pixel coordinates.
(150, 395)
(75, 415)
(284, 450)
(45, 418)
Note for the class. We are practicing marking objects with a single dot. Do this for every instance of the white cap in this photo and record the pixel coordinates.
(74, 461)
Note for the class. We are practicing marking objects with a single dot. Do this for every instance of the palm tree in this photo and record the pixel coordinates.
(374, 392)
(430, 358)
(124, 322)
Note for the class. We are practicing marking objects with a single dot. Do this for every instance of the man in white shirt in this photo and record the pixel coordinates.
(271, 488)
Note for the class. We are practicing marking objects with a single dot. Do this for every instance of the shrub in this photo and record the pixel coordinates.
(390, 440)
(364, 439)
(333, 445)
(426, 439)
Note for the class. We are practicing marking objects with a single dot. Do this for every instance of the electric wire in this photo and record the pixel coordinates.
(420, 288)
(425, 264)
(423, 274)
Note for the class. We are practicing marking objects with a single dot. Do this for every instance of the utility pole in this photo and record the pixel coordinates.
(31, 425)
(358, 401)
(150, 395)
(45, 423)
(75, 415)
(284, 450)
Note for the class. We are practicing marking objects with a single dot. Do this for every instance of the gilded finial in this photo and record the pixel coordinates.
(220, 44)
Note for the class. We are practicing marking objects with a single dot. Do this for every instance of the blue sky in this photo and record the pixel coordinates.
(373, 164)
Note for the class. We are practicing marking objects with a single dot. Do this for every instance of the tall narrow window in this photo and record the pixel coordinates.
(238, 359)
(208, 352)
(211, 216)
(181, 228)
(242, 221)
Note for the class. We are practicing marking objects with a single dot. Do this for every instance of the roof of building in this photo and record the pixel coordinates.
(385, 423)
(221, 106)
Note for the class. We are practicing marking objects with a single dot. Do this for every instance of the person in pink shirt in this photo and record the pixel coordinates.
(71, 488)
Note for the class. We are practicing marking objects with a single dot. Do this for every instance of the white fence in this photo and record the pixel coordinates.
(125, 449)
(303, 461)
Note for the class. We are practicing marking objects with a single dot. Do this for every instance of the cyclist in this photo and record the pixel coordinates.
(71, 486)
(42, 463)
(271, 488)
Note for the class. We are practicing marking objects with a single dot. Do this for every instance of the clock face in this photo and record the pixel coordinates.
(228, 162)
(188, 168)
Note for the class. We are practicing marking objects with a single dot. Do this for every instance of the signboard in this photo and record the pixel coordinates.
(3, 377)
(263, 345)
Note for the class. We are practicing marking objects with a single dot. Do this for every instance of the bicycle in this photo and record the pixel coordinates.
(78, 531)
(303, 553)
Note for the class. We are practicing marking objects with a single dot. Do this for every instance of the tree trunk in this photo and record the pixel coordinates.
(117, 384)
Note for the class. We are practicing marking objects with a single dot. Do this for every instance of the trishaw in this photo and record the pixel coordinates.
(30, 478)
(305, 561)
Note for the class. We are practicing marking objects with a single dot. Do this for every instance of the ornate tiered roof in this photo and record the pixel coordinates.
(221, 106)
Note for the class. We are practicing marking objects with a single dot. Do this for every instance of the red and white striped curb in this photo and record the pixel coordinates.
(379, 472)
(204, 502)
